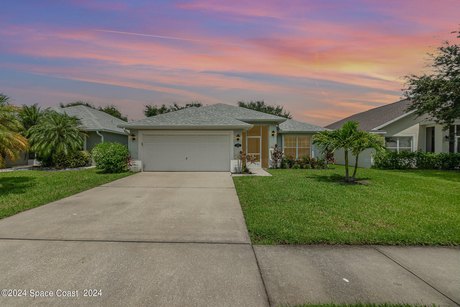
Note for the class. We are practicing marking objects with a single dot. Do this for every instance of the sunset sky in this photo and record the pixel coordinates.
(322, 60)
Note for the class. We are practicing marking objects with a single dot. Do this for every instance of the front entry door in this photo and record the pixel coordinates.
(254, 147)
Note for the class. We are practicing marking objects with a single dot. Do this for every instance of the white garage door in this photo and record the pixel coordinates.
(186, 152)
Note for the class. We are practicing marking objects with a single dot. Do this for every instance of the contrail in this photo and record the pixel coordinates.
(155, 36)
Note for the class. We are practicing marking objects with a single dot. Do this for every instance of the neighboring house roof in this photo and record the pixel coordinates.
(377, 118)
(93, 120)
(196, 118)
(215, 116)
(293, 126)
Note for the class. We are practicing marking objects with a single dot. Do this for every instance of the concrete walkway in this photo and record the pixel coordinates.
(179, 239)
(151, 239)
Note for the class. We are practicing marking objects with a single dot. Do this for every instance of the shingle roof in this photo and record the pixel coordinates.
(294, 126)
(207, 117)
(376, 117)
(243, 114)
(197, 118)
(93, 120)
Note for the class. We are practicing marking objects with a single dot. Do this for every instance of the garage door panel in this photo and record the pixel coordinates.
(186, 152)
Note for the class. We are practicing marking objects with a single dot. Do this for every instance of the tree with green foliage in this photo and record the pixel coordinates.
(113, 110)
(4, 99)
(438, 94)
(77, 103)
(55, 134)
(351, 140)
(152, 110)
(30, 116)
(265, 108)
(12, 142)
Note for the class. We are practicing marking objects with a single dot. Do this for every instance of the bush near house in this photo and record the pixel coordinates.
(111, 157)
(418, 159)
(303, 163)
(72, 160)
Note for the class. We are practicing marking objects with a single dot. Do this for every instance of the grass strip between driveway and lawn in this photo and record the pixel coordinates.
(23, 190)
(411, 207)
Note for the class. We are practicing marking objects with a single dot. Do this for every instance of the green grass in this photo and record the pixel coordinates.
(359, 305)
(23, 190)
(313, 207)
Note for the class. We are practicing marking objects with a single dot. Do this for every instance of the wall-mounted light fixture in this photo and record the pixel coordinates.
(237, 137)
(133, 137)
(273, 132)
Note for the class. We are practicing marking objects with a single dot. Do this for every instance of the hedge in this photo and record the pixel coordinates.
(417, 159)
(72, 160)
(111, 157)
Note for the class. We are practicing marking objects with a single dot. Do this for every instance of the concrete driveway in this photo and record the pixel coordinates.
(151, 239)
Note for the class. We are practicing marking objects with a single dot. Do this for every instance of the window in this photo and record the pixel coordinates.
(398, 144)
(297, 146)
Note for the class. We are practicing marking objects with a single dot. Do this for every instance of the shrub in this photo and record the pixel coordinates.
(111, 157)
(72, 160)
(420, 160)
(303, 163)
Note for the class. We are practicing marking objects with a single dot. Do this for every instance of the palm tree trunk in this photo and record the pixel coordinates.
(347, 173)
(356, 167)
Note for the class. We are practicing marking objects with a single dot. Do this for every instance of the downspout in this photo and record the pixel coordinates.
(102, 136)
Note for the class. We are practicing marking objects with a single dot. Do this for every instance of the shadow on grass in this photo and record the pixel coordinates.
(15, 185)
(453, 176)
(339, 179)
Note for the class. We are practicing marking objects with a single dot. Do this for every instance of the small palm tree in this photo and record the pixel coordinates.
(351, 140)
(55, 134)
(365, 140)
(12, 142)
(30, 115)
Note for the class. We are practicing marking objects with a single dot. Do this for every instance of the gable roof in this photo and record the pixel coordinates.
(376, 118)
(217, 116)
(293, 126)
(243, 114)
(197, 118)
(93, 120)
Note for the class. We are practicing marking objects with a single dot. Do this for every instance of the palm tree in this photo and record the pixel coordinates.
(12, 142)
(30, 115)
(55, 134)
(4, 99)
(351, 140)
(365, 140)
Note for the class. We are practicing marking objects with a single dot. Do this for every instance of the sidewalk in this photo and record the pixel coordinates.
(359, 274)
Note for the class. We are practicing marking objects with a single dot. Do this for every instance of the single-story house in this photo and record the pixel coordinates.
(212, 138)
(98, 126)
(402, 130)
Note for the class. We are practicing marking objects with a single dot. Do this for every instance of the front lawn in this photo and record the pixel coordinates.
(22, 190)
(312, 207)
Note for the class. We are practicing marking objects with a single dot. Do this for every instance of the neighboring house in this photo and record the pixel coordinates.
(98, 126)
(211, 138)
(402, 130)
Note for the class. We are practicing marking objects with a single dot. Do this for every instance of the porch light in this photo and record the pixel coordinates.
(237, 137)
(273, 132)
(133, 137)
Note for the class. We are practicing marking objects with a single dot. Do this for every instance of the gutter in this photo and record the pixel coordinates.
(102, 136)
